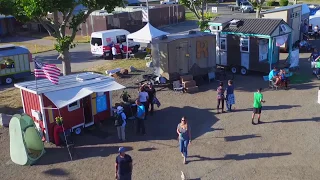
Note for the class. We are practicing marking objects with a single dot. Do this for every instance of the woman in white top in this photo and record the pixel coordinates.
(143, 97)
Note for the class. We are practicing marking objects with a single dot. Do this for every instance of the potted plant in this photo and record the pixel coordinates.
(125, 96)
(59, 120)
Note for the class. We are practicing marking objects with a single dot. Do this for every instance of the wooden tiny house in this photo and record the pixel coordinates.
(249, 44)
(190, 53)
(80, 99)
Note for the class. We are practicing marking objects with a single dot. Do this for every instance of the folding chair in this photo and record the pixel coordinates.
(177, 86)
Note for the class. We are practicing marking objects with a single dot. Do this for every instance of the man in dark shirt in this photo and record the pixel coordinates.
(123, 165)
(151, 92)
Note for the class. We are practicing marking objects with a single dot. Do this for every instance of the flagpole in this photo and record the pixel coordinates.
(35, 77)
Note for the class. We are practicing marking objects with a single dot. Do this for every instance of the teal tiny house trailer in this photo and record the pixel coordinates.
(249, 44)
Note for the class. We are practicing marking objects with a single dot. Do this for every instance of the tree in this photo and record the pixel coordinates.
(259, 7)
(198, 7)
(63, 16)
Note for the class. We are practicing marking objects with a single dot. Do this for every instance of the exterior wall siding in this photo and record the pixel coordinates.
(70, 119)
(233, 47)
(31, 102)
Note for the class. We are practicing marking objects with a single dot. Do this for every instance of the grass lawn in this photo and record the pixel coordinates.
(309, 1)
(10, 99)
(191, 16)
(33, 48)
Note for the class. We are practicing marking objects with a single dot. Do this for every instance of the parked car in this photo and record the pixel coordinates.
(101, 42)
(169, 2)
(14, 63)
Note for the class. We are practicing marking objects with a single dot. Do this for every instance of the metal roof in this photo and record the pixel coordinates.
(6, 50)
(221, 20)
(65, 82)
(255, 26)
(172, 37)
(284, 8)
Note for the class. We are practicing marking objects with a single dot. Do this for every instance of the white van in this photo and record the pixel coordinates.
(101, 42)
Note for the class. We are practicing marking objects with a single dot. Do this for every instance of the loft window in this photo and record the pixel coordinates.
(223, 44)
(244, 44)
(73, 106)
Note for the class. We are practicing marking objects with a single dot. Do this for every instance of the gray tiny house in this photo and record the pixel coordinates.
(295, 16)
(190, 53)
(248, 44)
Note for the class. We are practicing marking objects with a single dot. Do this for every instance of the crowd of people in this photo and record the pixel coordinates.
(279, 78)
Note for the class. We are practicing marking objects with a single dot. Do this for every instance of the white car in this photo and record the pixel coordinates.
(169, 2)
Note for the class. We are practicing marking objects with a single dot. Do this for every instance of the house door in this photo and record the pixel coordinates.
(87, 111)
(183, 58)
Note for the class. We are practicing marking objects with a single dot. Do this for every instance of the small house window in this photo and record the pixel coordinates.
(244, 44)
(73, 106)
(223, 44)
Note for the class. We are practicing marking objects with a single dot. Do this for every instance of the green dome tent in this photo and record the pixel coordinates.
(26, 146)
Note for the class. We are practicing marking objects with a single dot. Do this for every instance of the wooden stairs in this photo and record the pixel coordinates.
(189, 84)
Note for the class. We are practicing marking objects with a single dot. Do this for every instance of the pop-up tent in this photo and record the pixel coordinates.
(315, 19)
(26, 146)
(146, 34)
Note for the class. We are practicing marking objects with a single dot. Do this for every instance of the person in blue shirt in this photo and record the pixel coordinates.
(273, 75)
(141, 112)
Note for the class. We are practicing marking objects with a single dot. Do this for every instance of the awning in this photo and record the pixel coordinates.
(62, 98)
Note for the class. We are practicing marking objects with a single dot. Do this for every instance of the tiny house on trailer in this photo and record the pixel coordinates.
(14, 63)
(294, 15)
(249, 44)
(81, 99)
(180, 54)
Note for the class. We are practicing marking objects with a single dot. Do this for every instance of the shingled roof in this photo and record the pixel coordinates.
(254, 26)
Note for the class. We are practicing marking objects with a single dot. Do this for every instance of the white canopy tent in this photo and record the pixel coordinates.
(146, 34)
(315, 19)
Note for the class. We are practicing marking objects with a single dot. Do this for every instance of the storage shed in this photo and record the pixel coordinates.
(180, 54)
(249, 44)
(294, 15)
(81, 99)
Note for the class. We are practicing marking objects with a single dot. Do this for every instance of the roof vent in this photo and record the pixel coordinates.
(234, 23)
(163, 37)
(192, 32)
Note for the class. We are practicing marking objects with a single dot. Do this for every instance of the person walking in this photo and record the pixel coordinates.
(121, 123)
(140, 118)
(257, 105)
(184, 132)
(123, 165)
(151, 95)
(114, 52)
(144, 98)
(230, 99)
(121, 50)
(220, 97)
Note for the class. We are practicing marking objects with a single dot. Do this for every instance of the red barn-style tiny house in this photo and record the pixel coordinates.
(81, 99)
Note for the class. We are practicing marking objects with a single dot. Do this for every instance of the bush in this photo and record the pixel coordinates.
(284, 2)
(271, 3)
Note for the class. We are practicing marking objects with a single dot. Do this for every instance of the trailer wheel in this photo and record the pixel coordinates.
(7, 80)
(78, 131)
(243, 71)
(234, 69)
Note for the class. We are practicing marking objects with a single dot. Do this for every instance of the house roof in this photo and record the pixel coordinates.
(81, 80)
(71, 88)
(11, 50)
(284, 8)
(255, 26)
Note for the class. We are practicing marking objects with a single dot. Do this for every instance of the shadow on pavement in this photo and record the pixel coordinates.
(238, 138)
(56, 172)
(314, 119)
(267, 108)
(147, 149)
(59, 155)
(239, 157)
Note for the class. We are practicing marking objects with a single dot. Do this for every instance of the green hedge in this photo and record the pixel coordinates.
(271, 3)
(284, 2)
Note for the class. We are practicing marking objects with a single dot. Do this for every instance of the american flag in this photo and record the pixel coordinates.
(49, 71)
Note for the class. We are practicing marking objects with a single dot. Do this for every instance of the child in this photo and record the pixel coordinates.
(220, 97)
(230, 100)
(283, 78)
